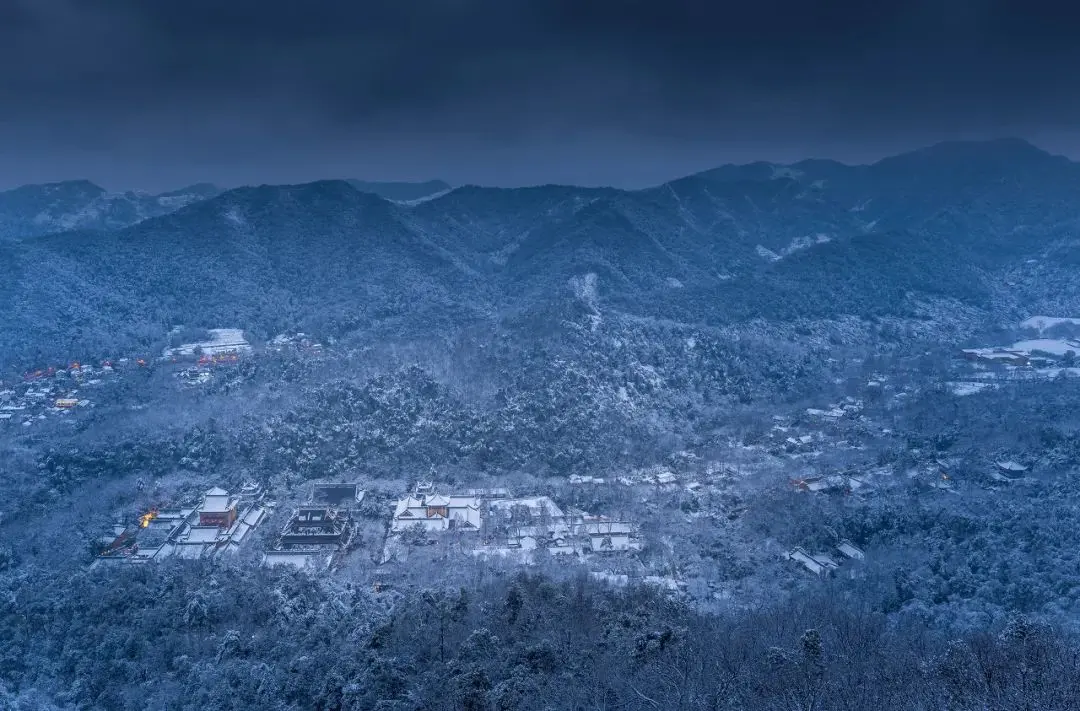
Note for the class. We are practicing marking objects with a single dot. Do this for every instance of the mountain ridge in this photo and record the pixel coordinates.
(714, 249)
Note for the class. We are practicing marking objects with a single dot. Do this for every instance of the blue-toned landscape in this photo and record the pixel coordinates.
(539, 356)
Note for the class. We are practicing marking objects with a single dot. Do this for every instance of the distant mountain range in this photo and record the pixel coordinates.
(952, 237)
(33, 210)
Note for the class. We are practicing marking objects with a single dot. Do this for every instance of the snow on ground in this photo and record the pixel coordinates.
(1047, 345)
(800, 243)
(615, 579)
(1030, 374)
(426, 198)
(1042, 323)
(967, 388)
(766, 253)
(222, 340)
(536, 504)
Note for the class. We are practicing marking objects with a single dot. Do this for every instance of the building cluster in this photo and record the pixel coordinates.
(41, 394)
(503, 524)
(318, 529)
(430, 511)
(218, 525)
(824, 564)
(1038, 352)
(653, 476)
(297, 343)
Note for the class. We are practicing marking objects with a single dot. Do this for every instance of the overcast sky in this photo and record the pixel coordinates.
(154, 94)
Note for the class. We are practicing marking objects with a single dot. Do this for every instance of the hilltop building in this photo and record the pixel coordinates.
(311, 537)
(436, 512)
(218, 508)
(315, 526)
(218, 525)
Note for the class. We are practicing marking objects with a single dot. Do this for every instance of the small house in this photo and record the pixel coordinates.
(608, 536)
(818, 564)
(850, 550)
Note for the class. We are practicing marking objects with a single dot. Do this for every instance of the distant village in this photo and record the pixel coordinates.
(59, 391)
(507, 526)
(1049, 350)
(319, 532)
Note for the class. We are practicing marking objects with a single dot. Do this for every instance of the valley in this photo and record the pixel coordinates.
(788, 407)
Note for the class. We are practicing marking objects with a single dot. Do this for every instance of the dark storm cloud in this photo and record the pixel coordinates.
(427, 82)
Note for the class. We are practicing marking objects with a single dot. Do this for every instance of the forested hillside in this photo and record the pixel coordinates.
(907, 237)
(716, 438)
(283, 642)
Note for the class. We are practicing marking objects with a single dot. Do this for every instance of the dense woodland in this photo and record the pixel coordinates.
(163, 638)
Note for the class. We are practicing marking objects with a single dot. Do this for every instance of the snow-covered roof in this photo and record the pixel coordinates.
(240, 532)
(1011, 466)
(202, 534)
(409, 502)
(850, 550)
(217, 491)
(190, 552)
(218, 504)
(438, 500)
(254, 516)
(607, 528)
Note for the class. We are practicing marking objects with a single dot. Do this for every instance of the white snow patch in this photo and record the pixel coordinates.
(961, 389)
(1043, 323)
(233, 215)
(585, 289)
(1047, 345)
(766, 253)
(426, 198)
(222, 340)
(784, 171)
